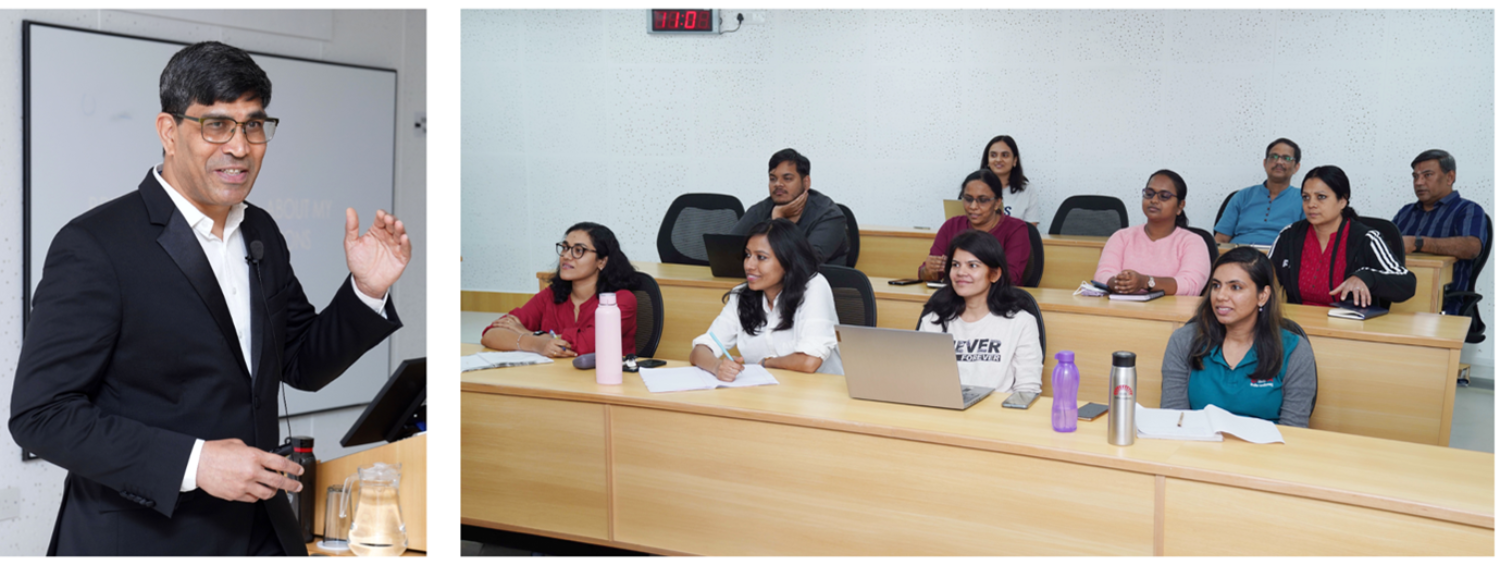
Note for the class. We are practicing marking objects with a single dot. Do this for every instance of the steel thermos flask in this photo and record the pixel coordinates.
(1122, 399)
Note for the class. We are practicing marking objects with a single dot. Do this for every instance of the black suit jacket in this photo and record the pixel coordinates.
(131, 355)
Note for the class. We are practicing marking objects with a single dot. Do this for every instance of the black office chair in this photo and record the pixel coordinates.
(1389, 233)
(1089, 214)
(1028, 303)
(1032, 275)
(650, 314)
(1213, 252)
(680, 239)
(1225, 205)
(853, 297)
(852, 256)
(1470, 300)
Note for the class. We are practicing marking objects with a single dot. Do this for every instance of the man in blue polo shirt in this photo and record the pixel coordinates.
(1441, 222)
(1255, 215)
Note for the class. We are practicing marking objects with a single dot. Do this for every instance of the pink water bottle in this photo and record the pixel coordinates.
(1065, 394)
(608, 361)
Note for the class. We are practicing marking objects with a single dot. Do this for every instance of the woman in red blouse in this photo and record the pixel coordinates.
(559, 321)
(1331, 256)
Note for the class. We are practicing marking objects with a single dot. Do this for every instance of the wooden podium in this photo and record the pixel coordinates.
(411, 454)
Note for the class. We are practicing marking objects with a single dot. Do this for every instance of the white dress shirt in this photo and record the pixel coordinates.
(811, 332)
(227, 257)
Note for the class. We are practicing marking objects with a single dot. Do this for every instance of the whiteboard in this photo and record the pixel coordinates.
(90, 103)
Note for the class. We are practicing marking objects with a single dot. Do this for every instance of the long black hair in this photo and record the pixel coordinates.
(1268, 323)
(1181, 187)
(1002, 300)
(1017, 180)
(799, 263)
(617, 273)
(1337, 181)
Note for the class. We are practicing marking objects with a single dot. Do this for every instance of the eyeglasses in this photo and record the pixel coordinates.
(983, 200)
(1164, 195)
(577, 251)
(1288, 159)
(221, 130)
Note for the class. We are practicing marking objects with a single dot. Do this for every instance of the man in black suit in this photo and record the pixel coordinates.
(164, 321)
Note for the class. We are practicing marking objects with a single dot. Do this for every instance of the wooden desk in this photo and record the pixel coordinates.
(800, 468)
(893, 252)
(1391, 377)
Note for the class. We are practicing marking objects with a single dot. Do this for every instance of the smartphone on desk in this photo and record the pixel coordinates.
(904, 282)
(1020, 400)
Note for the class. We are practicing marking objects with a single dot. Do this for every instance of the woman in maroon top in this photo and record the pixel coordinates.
(1331, 256)
(984, 207)
(559, 321)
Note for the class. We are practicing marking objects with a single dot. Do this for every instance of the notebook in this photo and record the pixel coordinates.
(1347, 310)
(494, 359)
(692, 378)
(726, 254)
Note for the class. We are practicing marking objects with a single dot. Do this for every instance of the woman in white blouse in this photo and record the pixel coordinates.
(781, 318)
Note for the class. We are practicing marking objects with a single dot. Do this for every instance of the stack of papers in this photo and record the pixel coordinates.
(692, 378)
(1208, 424)
(493, 359)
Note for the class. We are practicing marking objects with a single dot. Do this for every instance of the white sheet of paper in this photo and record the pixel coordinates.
(692, 378)
(1153, 423)
(1253, 430)
(493, 359)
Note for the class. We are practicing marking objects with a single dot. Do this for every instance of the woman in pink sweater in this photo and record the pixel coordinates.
(1161, 254)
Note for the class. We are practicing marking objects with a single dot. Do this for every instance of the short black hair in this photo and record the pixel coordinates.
(804, 167)
(211, 72)
(1445, 161)
(1336, 181)
(1296, 151)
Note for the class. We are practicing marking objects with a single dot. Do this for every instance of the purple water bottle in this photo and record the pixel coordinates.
(1065, 393)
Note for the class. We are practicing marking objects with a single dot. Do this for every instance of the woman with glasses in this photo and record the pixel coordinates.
(781, 318)
(983, 196)
(559, 321)
(1161, 254)
(997, 341)
(1331, 256)
(1237, 353)
(1002, 157)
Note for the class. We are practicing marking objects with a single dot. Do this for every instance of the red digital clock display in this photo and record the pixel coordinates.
(682, 20)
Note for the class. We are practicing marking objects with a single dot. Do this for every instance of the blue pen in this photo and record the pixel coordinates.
(720, 344)
(554, 336)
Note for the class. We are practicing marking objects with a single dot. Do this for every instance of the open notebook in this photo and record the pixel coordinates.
(692, 378)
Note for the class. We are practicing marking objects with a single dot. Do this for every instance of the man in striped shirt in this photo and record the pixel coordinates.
(1441, 222)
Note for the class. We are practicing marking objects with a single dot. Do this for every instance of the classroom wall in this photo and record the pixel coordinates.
(582, 115)
(30, 491)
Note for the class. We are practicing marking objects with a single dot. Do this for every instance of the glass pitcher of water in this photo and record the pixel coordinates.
(377, 529)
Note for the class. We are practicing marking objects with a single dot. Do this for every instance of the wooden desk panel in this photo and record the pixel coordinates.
(801, 468)
(535, 463)
(1204, 519)
(1416, 354)
(894, 252)
(725, 486)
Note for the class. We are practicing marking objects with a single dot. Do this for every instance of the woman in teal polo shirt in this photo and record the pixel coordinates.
(1237, 352)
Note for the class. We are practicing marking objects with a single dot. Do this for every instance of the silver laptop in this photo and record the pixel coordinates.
(904, 366)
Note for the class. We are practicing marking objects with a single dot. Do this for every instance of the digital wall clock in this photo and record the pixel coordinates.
(684, 21)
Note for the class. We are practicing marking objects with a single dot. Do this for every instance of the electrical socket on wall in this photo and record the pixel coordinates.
(754, 17)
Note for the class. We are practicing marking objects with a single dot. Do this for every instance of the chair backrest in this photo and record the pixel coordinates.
(1028, 303)
(853, 297)
(852, 256)
(1089, 214)
(1032, 276)
(649, 314)
(1484, 253)
(680, 239)
(1389, 233)
(1213, 251)
(1225, 205)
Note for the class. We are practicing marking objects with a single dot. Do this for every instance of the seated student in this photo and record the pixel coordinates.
(1256, 214)
(1161, 254)
(1441, 222)
(781, 318)
(1331, 256)
(1236, 353)
(1002, 157)
(559, 321)
(816, 215)
(996, 342)
(983, 199)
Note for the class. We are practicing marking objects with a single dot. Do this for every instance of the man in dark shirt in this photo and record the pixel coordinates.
(1441, 222)
(792, 198)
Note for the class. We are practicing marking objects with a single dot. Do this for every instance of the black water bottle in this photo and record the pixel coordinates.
(303, 502)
